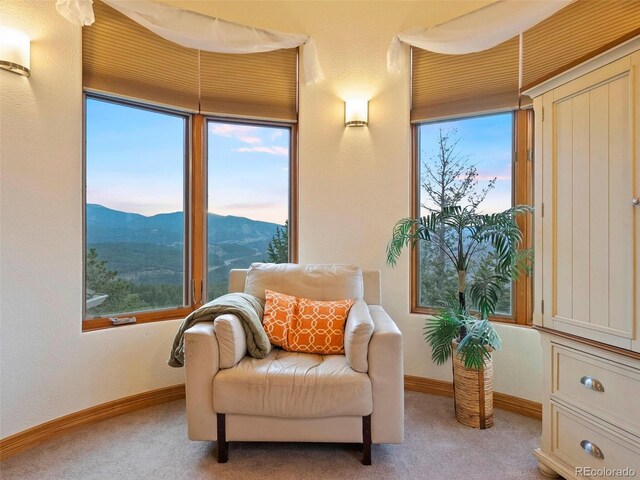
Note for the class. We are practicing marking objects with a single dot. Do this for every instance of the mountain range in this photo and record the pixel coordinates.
(150, 249)
(105, 225)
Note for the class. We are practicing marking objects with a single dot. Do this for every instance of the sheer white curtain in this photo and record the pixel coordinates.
(194, 30)
(475, 31)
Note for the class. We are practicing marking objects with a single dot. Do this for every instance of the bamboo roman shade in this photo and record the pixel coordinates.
(576, 33)
(449, 85)
(259, 85)
(123, 58)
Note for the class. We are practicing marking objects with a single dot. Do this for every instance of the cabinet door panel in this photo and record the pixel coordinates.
(599, 204)
(593, 235)
(580, 215)
(635, 94)
(620, 208)
(564, 210)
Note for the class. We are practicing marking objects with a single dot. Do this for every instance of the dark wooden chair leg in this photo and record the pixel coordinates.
(223, 447)
(366, 440)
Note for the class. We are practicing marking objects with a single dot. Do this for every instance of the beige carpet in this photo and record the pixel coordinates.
(152, 444)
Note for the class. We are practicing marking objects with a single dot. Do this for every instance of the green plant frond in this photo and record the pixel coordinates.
(485, 291)
(451, 216)
(474, 355)
(445, 217)
(439, 331)
(472, 348)
(453, 221)
(501, 230)
(522, 263)
(452, 209)
(430, 222)
(406, 232)
(521, 209)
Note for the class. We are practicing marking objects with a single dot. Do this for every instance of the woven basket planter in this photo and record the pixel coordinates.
(473, 393)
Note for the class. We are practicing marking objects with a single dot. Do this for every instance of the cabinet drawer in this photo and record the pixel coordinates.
(574, 436)
(604, 388)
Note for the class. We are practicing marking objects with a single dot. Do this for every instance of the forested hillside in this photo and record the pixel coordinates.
(139, 260)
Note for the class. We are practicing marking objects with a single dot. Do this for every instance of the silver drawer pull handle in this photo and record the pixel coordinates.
(592, 383)
(636, 202)
(592, 449)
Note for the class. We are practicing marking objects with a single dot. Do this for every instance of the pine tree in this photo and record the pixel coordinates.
(278, 248)
(102, 280)
(448, 178)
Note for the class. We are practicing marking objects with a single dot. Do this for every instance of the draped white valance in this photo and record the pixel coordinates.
(193, 30)
(476, 31)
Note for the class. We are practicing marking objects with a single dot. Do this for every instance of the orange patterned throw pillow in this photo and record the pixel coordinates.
(279, 315)
(319, 327)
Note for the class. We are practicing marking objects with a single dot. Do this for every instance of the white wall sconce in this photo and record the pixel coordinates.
(15, 51)
(356, 112)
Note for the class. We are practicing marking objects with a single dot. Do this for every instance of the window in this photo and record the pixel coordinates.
(160, 234)
(135, 213)
(248, 197)
(473, 161)
(175, 199)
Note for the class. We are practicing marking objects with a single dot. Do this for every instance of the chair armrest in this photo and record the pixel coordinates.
(201, 365)
(357, 333)
(232, 340)
(386, 372)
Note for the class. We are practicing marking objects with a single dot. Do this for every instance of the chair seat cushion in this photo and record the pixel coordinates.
(291, 384)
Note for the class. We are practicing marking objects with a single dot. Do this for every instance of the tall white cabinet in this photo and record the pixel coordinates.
(587, 274)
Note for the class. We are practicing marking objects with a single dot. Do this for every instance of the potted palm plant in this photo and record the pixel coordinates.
(464, 235)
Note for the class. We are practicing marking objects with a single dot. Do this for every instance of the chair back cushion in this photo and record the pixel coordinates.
(370, 281)
(314, 281)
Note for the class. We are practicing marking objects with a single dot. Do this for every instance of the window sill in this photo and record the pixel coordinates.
(102, 323)
(495, 318)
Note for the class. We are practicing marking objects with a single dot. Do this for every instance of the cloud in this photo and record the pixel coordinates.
(249, 139)
(242, 133)
(276, 134)
(278, 151)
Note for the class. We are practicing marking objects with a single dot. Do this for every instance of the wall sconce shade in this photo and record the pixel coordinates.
(15, 51)
(356, 112)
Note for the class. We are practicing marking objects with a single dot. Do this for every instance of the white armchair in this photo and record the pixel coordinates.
(297, 397)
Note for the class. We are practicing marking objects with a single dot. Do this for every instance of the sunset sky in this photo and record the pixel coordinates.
(486, 141)
(249, 171)
(135, 163)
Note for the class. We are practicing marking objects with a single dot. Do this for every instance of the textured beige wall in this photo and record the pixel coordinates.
(354, 184)
(48, 368)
